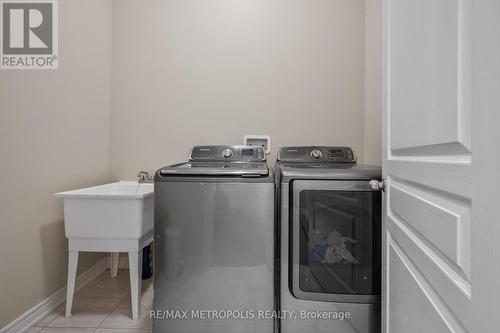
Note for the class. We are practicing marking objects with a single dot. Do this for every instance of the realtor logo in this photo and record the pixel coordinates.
(29, 34)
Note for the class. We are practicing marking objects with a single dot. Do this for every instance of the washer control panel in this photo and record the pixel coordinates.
(317, 153)
(227, 153)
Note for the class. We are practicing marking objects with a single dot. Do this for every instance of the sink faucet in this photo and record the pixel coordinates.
(144, 177)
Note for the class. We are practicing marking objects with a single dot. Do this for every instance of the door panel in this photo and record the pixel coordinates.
(452, 288)
(422, 310)
(427, 165)
(451, 173)
(429, 55)
(442, 220)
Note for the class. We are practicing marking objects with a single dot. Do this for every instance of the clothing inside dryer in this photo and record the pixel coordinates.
(339, 243)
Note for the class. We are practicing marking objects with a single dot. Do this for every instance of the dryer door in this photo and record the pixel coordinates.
(335, 241)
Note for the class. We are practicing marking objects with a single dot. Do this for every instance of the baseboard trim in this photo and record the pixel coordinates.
(25, 321)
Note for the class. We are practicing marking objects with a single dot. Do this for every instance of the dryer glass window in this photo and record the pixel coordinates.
(339, 242)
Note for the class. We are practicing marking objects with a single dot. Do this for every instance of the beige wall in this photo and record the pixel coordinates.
(182, 72)
(54, 135)
(373, 82)
(188, 72)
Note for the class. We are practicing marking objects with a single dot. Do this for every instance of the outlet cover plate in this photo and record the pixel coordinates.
(258, 140)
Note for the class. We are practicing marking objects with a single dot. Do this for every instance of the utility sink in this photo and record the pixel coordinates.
(121, 210)
(116, 217)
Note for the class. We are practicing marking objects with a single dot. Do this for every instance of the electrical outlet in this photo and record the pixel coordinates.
(263, 141)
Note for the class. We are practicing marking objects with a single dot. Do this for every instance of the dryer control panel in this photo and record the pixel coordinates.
(317, 154)
(227, 153)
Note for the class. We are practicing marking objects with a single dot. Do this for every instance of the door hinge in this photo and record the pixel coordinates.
(377, 185)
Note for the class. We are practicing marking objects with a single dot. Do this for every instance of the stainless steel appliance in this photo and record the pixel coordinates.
(214, 220)
(328, 231)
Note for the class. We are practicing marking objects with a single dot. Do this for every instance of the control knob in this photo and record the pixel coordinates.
(227, 153)
(316, 154)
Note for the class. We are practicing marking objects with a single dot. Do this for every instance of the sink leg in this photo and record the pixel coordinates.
(115, 259)
(72, 263)
(135, 263)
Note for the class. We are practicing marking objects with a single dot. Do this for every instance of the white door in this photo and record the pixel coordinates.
(441, 146)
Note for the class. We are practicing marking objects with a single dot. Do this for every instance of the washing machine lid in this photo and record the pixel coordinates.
(222, 160)
(229, 169)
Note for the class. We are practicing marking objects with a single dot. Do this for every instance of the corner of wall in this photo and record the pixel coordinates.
(372, 140)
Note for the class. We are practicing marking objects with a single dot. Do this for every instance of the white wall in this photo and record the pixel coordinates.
(54, 136)
(191, 72)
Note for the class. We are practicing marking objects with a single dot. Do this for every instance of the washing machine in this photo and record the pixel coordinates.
(214, 253)
(329, 241)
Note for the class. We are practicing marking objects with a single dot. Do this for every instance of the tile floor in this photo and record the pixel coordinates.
(103, 306)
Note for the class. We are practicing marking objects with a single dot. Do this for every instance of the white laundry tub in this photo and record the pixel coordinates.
(115, 217)
(121, 210)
